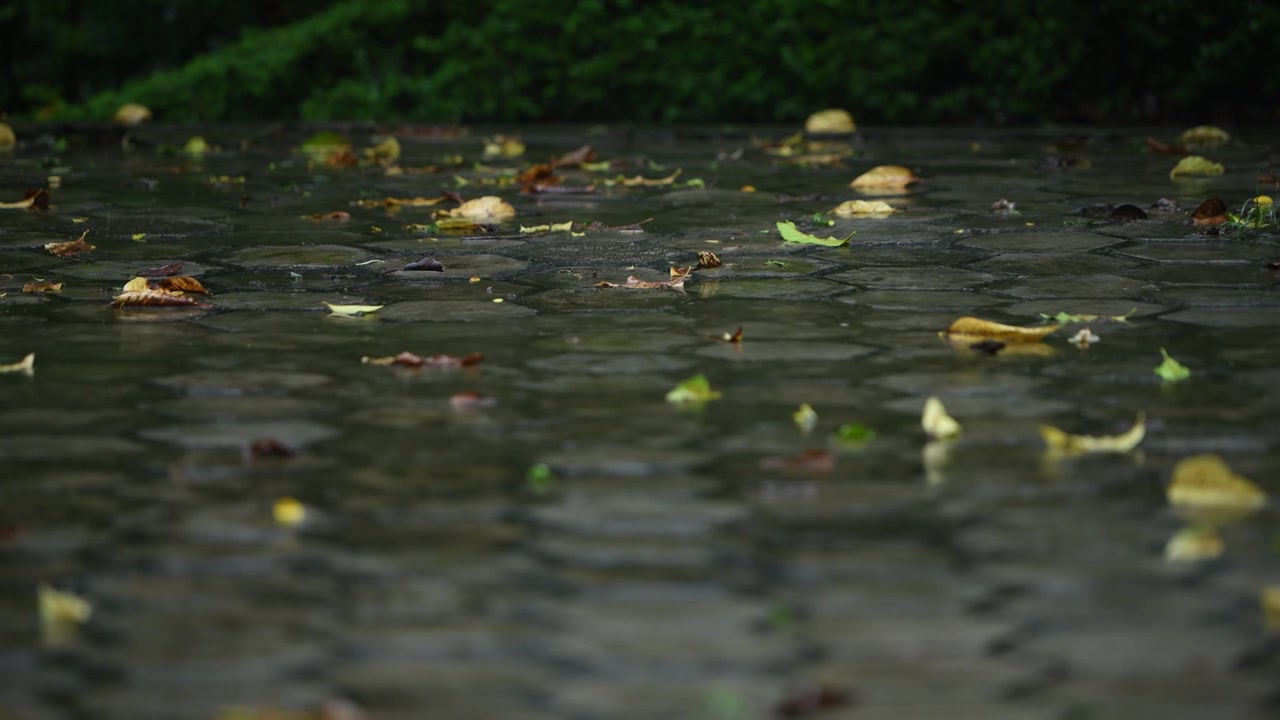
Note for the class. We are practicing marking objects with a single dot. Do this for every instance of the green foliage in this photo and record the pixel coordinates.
(662, 61)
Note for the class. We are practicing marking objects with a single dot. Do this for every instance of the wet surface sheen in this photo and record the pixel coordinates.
(663, 574)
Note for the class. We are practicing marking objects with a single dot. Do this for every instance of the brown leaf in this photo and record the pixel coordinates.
(335, 216)
(342, 158)
(471, 401)
(557, 189)
(1156, 146)
(41, 287)
(537, 175)
(162, 271)
(635, 283)
(31, 200)
(574, 159)
(67, 249)
(1211, 212)
(182, 283)
(707, 260)
(1269, 179)
(270, 447)
(734, 337)
(156, 298)
(809, 701)
(813, 460)
(408, 359)
(978, 329)
(1128, 213)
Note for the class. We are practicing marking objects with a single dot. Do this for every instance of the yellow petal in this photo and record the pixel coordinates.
(352, 310)
(856, 208)
(830, 121)
(936, 422)
(1064, 442)
(885, 176)
(1206, 482)
(1196, 165)
(1194, 544)
(1205, 135)
(974, 327)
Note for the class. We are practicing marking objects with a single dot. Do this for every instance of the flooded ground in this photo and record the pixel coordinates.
(668, 562)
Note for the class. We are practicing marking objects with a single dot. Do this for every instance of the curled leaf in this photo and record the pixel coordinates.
(1127, 214)
(1066, 443)
(335, 216)
(885, 177)
(936, 422)
(696, 389)
(73, 247)
(552, 227)
(733, 337)
(385, 152)
(791, 234)
(832, 121)
(971, 327)
(503, 146)
(26, 365)
(1171, 370)
(641, 181)
(635, 283)
(863, 208)
(1210, 212)
(41, 287)
(156, 298)
(138, 284)
(352, 310)
(31, 200)
(1205, 135)
(1194, 543)
(1206, 482)
(182, 283)
(1196, 165)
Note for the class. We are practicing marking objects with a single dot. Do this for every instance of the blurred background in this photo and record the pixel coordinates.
(931, 61)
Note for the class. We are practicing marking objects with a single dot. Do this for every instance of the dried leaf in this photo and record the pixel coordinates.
(392, 203)
(471, 401)
(553, 227)
(1194, 543)
(58, 607)
(805, 418)
(639, 181)
(7, 138)
(976, 328)
(885, 177)
(41, 287)
(936, 422)
(289, 512)
(385, 152)
(733, 337)
(1196, 165)
(694, 390)
(635, 283)
(425, 264)
(830, 122)
(267, 448)
(1171, 370)
(504, 146)
(131, 114)
(808, 461)
(489, 208)
(1065, 443)
(1083, 338)
(1210, 212)
(707, 260)
(584, 154)
(810, 701)
(31, 200)
(1206, 482)
(138, 284)
(1205, 135)
(73, 247)
(335, 216)
(26, 365)
(791, 234)
(156, 298)
(352, 310)
(1156, 146)
(863, 208)
(408, 359)
(1127, 214)
(182, 283)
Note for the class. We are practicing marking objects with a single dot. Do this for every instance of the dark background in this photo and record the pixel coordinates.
(929, 61)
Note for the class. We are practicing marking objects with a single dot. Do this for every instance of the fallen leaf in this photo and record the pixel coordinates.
(830, 122)
(1127, 214)
(1004, 207)
(1064, 318)
(138, 284)
(1171, 370)
(182, 283)
(58, 607)
(352, 310)
(1194, 543)
(707, 260)
(553, 227)
(1205, 135)
(805, 418)
(267, 448)
(156, 298)
(936, 422)
(425, 264)
(138, 237)
(640, 181)
(1271, 606)
(791, 234)
(1156, 146)
(385, 152)
(41, 287)
(1210, 212)
(635, 283)
(323, 144)
(863, 208)
(584, 154)
(408, 359)
(971, 327)
(810, 701)
(854, 434)
(1196, 165)
(505, 146)
(394, 203)
(1084, 338)
(810, 461)
(1206, 482)
(7, 138)
(489, 208)
(31, 200)
(131, 114)
(196, 145)
(696, 389)
(289, 512)
(886, 177)
(471, 401)
(733, 337)
(26, 365)
(73, 247)
(1063, 442)
(335, 216)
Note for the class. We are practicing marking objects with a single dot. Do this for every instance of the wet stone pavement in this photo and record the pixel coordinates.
(662, 573)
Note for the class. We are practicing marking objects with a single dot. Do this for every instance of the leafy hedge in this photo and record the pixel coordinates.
(930, 61)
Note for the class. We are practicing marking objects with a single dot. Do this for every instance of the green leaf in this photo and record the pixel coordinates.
(855, 434)
(791, 234)
(696, 389)
(1171, 370)
(324, 143)
(540, 479)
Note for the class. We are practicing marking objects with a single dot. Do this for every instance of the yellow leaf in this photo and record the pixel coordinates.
(1206, 482)
(863, 208)
(1196, 165)
(1063, 442)
(985, 329)
(352, 310)
(7, 138)
(640, 180)
(1205, 135)
(1194, 543)
(62, 608)
(694, 390)
(936, 422)
(805, 418)
(289, 512)
(25, 365)
(132, 114)
(830, 121)
(487, 208)
(553, 227)
(385, 152)
(41, 287)
(885, 177)
(195, 146)
(139, 237)
(393, 203)
(138, 284)
(507, 146)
